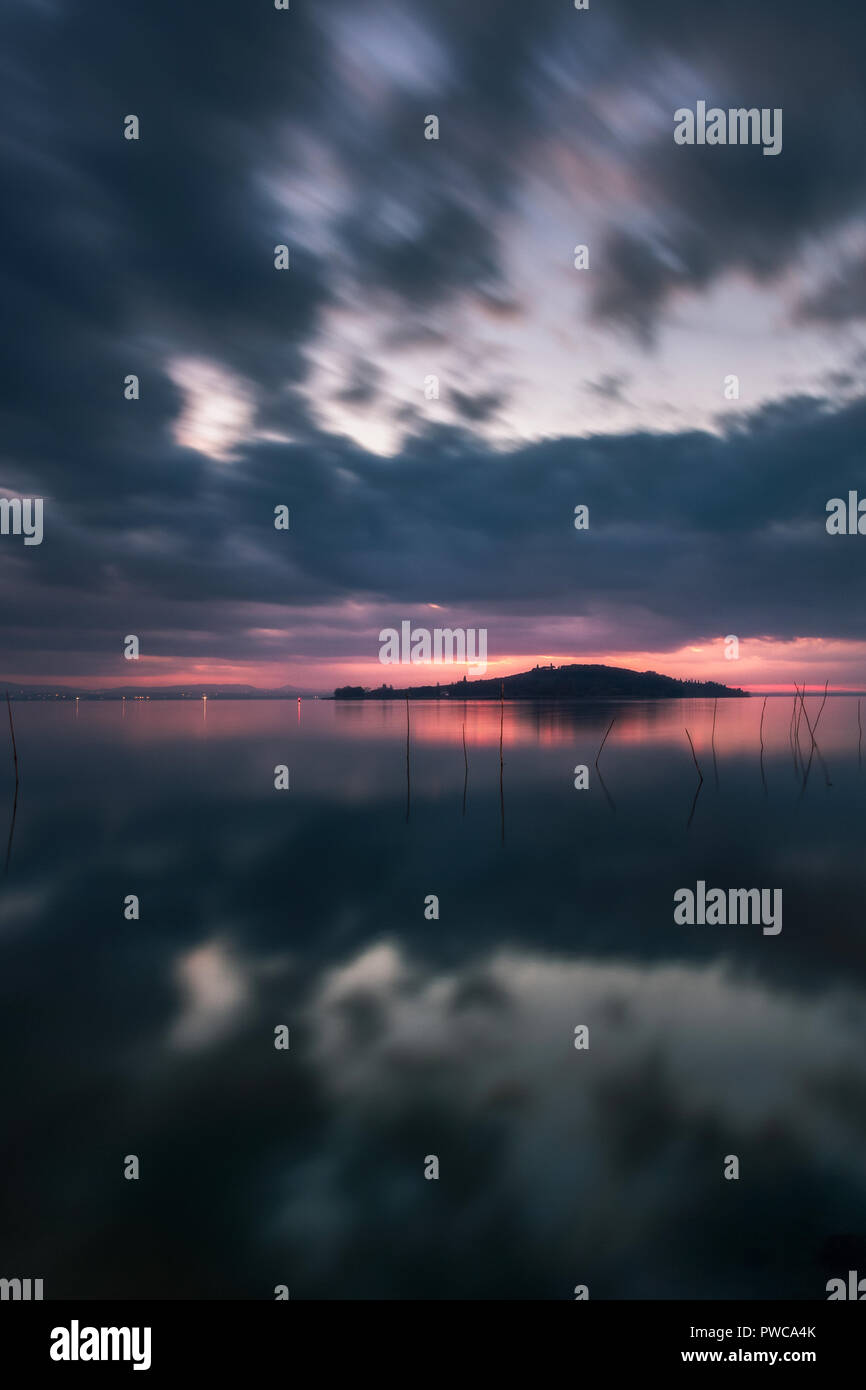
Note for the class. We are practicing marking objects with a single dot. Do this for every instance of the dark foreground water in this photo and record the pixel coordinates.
(413, 1037)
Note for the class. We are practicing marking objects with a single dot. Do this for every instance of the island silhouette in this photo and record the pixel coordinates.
(578, 681)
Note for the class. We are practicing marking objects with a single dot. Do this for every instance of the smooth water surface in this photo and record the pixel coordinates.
(412, 1036)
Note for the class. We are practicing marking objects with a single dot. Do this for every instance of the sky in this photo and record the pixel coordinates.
(413, 258)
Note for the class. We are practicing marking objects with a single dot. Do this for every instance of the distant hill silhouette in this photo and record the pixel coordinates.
(554, 683)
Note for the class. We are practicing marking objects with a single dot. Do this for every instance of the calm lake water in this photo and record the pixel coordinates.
(413, 1037)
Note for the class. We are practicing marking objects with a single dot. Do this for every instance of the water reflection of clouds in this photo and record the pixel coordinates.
(455, 1037)
(596, 1155)
(218, 986)
(725, 1044)
(215, 993)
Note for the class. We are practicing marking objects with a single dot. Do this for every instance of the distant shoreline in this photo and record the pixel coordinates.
(104, 697)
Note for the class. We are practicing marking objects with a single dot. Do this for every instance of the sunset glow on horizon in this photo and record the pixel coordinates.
(775, 667)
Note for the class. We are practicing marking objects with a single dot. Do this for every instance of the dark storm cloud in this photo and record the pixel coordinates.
(521, 76)
(635, 282)
(841, 297)
(118, 256)
(690, 535)
(609, 387)
(452, 247)
(480, 407)
(732, 530)
(116, 253)
(731, 207)
(363, 385)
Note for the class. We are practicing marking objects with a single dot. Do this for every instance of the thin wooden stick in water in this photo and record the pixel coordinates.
(12, 732)
(823, 703)
(501, 715)
(11, 830)
(860, 739)
(814, 749)
(700, 782)
(795, 744)
(801, 710)
(805, 714)
(604, 740)
(763, 707)
(465, 768)
(815, 741)
(692, 746)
